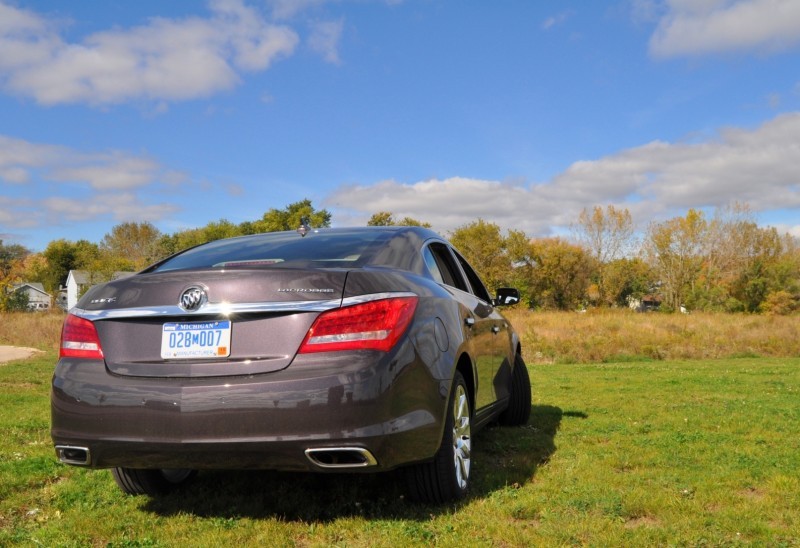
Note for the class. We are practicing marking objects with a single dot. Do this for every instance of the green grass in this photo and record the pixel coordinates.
(703, 452)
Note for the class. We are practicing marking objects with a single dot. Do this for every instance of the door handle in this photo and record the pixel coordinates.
(495, 330)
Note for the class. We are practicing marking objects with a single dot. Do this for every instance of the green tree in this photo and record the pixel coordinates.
(61, 256)
(627, 278)
(290, 217)
(561, 274)
(218, 230)
(485, 248)
(132, 244)
(521, 255)
(15, 301)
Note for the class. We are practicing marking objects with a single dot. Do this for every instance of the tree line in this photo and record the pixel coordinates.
(725, 262)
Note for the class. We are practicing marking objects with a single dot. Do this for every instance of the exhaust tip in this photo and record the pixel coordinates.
(340, 457)
(70, 454)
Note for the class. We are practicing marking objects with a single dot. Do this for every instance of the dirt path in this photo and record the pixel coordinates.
(11, 353)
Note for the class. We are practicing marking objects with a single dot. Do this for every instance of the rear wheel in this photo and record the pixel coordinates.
(446, 477)
(134, 481)
(519, 405)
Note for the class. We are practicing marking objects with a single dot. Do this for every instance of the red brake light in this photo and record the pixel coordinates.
(374, 325)
(79, 339)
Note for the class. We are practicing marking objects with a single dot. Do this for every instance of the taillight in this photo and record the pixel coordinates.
(374, 325)
(79, 339)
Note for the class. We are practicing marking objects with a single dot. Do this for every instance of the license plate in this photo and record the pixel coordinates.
(196, 340)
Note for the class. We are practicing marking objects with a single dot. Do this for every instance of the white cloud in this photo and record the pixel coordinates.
(324, 39)
(121, 206)
(164, 60)
(698, 27)
(110, 172)
(21, 160)
(657, 179)
(18, 213)
(558, 19)
(450, 203)
(286, 9)
(106, 184)
(14, 175)
(793, 230)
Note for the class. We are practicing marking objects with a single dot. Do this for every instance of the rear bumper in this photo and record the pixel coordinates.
(387, 407)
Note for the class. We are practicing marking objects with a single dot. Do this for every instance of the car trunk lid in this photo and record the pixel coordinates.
(267, 312)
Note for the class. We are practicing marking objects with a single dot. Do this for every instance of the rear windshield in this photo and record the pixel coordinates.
(282, 249)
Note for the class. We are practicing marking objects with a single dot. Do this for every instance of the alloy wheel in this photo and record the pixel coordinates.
(462, 443)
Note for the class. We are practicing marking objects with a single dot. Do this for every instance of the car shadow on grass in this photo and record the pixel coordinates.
(503, 458)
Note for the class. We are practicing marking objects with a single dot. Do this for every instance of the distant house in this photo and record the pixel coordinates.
(38, 298)
(78, 281)
(645, 304)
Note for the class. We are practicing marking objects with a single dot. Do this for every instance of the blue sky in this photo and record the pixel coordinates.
(518, 112)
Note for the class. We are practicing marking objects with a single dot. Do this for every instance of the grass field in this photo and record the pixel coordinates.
(701, 452)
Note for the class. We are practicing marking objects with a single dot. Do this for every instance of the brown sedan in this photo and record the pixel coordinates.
(364, 349)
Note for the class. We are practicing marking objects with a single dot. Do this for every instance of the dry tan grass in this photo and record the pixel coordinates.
(621, 335)
(40, 330)
(567, 337)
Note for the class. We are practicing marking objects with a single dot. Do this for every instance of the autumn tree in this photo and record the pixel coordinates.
(381, 218)
(561, 274)
(30, 268)
(484, 247)
(132, 244)
(290, 217)
(608, 235)
(627, 278)
(386, 218)
(771, 278)
(674, 249)
(741, 263)
(10, 255)
(550, 273)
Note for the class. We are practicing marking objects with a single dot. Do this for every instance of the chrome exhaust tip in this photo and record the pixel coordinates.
(340, 457)
(70, 454)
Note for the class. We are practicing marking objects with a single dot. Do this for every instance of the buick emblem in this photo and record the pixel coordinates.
(193, 298)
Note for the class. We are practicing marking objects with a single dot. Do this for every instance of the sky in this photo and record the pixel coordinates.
(519, 112)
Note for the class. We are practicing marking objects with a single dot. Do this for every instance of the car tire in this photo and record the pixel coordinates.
(519, 403)
(446, 477)
(134, 481)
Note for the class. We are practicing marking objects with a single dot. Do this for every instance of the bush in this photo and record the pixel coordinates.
(780, 303)
(16, 301)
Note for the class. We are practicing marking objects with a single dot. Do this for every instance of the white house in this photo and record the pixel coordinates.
(38, 298)
(78, 281)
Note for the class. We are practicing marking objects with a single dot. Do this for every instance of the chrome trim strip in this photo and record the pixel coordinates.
(226, 309)
(349, 301)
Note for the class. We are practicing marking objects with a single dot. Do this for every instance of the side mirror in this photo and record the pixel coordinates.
(506, 296)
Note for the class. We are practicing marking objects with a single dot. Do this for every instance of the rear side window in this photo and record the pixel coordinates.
(478, 289)
(442, 266)
(282, 249)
